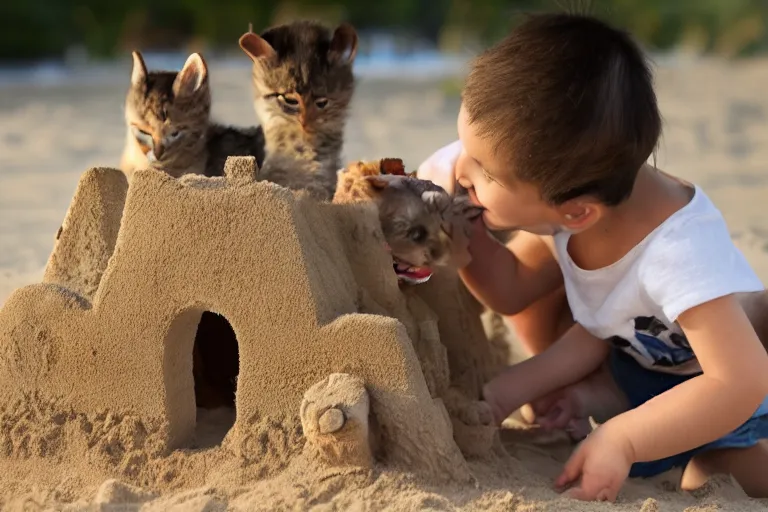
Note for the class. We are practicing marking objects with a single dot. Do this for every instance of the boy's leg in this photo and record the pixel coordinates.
(749, 466)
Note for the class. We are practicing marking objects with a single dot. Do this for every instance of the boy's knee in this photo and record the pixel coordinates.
(746, 465)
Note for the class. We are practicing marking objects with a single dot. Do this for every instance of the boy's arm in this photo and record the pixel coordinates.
(508, 279)
(709, 406)
(571, 358)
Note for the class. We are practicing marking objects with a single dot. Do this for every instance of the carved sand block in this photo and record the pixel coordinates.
(278, 266)
(335, 418)
(86, 238)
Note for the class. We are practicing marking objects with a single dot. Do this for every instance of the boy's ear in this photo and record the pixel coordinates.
(581, 213)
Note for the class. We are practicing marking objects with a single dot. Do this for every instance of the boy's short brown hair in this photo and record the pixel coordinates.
(568, 104)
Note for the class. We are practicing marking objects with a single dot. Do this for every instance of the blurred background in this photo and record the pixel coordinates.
(99, 29)
(65, 68)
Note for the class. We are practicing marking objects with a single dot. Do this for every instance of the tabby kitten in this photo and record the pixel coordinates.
(169, 126)
(303, 85)
(167, 117)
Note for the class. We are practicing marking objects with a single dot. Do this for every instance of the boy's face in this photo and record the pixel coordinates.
(511, 205)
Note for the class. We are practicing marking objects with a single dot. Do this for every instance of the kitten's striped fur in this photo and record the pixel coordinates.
(303, 85)
(168, 123)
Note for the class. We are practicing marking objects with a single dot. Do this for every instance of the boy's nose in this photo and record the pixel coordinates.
(462, 174)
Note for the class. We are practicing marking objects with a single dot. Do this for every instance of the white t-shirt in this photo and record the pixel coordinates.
(634, 303)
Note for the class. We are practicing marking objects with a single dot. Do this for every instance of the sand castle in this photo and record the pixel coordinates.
(349, 367)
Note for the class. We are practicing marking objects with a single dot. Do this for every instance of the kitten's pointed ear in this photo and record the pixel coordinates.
(191, 77)
(343, 44)
(139, 73)
(255, 46)
(437, 200)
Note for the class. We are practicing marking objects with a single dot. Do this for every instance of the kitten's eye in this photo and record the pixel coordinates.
(418, 234)
(175, 135)
(141, 135)
(289, 100)
(321, 103)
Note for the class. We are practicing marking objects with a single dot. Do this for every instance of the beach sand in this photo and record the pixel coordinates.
(715, 134)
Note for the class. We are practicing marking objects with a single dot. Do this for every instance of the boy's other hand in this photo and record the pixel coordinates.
(569, 408)
(562, 410)
(440, 167)
(600, 465)
(460, 244)
(464, 230)
(557, 409)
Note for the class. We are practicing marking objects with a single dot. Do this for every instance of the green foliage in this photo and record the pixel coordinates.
(46, 28)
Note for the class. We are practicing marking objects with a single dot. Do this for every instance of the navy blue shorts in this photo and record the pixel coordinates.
(640, 385)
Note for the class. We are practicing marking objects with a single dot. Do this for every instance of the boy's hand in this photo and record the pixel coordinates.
(466, 222)
(462, 239)
(562, 409)
(570, 408)
(439, 168)
(557, 409)
(602, 462)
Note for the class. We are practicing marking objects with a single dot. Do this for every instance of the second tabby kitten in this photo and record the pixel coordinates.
(303, 85)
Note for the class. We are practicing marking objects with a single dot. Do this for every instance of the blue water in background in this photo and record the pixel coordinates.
(378, 58)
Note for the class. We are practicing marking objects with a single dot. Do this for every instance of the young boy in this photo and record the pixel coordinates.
(555, 129)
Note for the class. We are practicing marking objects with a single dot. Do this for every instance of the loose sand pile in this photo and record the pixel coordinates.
(96, 391)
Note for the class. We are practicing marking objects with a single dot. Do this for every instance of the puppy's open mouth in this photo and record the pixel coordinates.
(410, 273)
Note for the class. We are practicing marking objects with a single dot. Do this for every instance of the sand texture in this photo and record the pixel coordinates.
(352, 393)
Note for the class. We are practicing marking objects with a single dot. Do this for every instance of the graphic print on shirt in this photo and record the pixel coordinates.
(666, 347)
